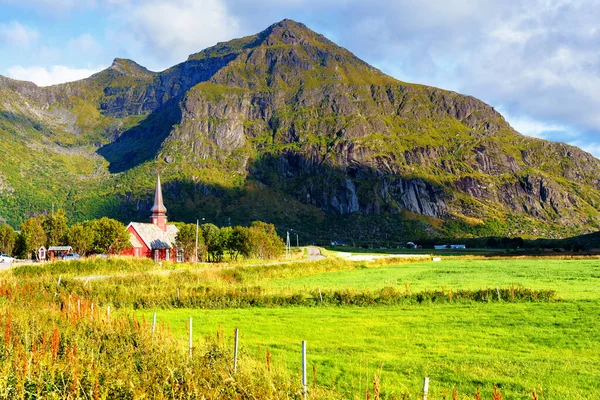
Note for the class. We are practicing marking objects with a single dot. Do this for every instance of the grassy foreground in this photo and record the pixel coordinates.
(548, 347)
(462, 340)
(552, 348)
(59, 345)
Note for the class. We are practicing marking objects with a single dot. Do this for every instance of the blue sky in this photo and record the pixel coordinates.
(537, 61)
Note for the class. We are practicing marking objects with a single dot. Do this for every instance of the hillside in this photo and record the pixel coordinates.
(287, 127)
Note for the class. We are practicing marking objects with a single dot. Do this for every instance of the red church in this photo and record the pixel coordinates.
(156, 239)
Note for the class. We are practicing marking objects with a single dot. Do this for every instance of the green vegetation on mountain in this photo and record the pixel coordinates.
(287, 127)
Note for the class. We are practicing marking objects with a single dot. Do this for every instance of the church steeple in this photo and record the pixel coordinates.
(159, 212)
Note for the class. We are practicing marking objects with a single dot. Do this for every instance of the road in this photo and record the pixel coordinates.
(374, 257)
(314, 254)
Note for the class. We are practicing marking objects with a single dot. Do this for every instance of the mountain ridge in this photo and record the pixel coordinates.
(289, 116)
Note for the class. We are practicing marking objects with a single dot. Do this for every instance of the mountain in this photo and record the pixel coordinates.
(287, 127)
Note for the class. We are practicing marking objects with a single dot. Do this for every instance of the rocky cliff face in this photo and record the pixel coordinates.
(306, 118)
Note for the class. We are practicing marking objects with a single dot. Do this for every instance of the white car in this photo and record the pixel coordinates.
(5, 258)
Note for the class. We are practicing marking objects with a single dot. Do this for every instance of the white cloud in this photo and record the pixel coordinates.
(84, 43)
(15, 34)
(50, 54)
(172, 30)
(55, 74)
(531, 127)
(508, 34)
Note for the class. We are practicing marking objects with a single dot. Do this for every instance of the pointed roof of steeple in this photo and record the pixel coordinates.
(158, 208)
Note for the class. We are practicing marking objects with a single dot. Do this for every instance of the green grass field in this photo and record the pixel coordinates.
(521, 344)
(550, 347)
(571, 279)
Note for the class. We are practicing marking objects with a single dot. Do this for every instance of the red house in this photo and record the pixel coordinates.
(156, 239)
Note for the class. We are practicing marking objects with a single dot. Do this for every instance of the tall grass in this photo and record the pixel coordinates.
(164, 294)
(241, 287)
(63, 345)
(59, 344)
(236, 271)
(129, 265)
(57, 340)
(90, 266)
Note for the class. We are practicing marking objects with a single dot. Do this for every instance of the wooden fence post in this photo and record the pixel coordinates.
(425, 388)
(57, 285)
(235, 351)
(498, 292)
(304, 392)
(191, 345)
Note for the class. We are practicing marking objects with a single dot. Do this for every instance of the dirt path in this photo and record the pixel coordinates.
(314, 254)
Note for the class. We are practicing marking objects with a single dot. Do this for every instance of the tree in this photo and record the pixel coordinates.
(111, 236)
(56, 228)
(8, 238)
(240, 242)
(213, 241)
(226, 234)
(237, 241)
(262, 241)
(81, 237)
(33, 235)
(186, 239)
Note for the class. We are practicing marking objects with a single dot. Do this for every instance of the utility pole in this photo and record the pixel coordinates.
(288, 253)
(197, 222)
(297, 241)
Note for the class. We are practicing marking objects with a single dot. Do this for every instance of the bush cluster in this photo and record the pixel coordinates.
(104, 235)
(259, 240)
(109, 236)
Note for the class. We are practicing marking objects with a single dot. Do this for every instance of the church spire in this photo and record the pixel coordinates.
(159, 212)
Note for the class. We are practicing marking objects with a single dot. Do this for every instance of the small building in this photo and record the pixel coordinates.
(41, 253)
(449, 246)
(58, 251)
(157, 239)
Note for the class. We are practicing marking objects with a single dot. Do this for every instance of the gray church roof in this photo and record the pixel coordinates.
(154, 237)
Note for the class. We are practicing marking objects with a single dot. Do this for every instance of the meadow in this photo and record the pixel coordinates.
(519, 347)
(399, 320)
(550, 347)
(571, 279)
